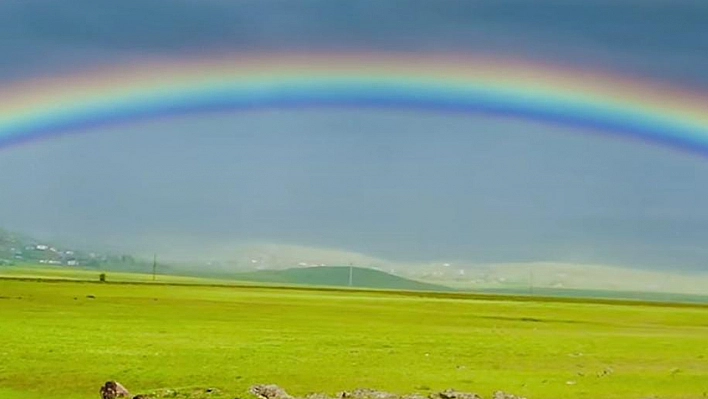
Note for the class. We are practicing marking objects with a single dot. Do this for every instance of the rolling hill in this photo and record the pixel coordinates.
(338, 276)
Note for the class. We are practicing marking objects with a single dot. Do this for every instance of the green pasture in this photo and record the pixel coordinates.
(67, 273)
(326, 276)
(63, 339)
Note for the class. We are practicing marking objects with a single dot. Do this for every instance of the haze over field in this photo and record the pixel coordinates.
(394, 190)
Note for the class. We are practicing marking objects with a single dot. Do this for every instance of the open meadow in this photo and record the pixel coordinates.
(63, 339)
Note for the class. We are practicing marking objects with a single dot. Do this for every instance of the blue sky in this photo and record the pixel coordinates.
(399, 185)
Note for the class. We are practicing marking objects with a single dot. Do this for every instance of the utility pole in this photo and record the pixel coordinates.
(351, 274)
(531, 280)
(154, 266)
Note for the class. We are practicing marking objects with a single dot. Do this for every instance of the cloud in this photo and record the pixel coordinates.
(398, 186)
(653, 38)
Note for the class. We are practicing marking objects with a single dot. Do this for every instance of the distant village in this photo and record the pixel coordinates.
(41, 253)
(15, 249)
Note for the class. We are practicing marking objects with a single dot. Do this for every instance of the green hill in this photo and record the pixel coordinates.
(338, 276)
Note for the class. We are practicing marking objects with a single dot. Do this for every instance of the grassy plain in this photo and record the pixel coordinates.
(327, 276)
(62, 340)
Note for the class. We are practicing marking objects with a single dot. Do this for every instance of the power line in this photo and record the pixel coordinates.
(154, 266)
(351, 275)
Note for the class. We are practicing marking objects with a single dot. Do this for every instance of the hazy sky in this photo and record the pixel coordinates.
(399, 185)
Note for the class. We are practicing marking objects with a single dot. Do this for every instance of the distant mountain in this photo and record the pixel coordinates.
(229, 257)
(466, 275)
(261, 261)
(461, 274)
(338, 276)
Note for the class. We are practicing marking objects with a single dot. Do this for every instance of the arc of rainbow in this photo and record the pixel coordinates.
(609, 104)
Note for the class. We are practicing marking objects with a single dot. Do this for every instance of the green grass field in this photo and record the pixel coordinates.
(600, 294)
(325, 276)
(57, 342)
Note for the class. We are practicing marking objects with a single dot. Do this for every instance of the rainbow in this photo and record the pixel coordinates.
(649, 111)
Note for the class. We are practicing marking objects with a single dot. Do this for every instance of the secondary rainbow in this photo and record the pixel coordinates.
(44, 107)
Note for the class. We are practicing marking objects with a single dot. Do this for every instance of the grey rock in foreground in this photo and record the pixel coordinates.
(504, 395)
(272, 391)
(269, 391)
(365, 393)
(113, 390)
(452, 394)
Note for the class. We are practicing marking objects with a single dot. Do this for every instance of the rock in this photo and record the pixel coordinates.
(113, 390)
(452, 394)
(365, 393)
(270, 391)
(504, 395)
(317, 396)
